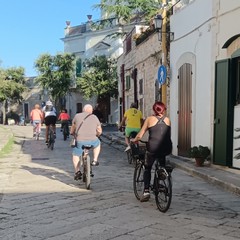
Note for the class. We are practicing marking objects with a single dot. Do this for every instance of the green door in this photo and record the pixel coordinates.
(222, 141)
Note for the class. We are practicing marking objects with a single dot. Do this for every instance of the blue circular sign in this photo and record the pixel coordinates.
(162, 74)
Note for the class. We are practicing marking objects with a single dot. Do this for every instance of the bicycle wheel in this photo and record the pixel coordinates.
(51, 140)
(129, 156)
(163, 192)
(87, 172)
(64, 132)
(138, 183)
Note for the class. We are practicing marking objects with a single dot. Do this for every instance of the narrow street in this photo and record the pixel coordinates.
(39, 199)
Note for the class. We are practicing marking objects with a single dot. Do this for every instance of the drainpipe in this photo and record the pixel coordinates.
(164, 51)
(135, 85)
(122, 100)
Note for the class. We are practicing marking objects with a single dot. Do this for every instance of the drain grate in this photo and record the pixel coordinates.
(40, 158)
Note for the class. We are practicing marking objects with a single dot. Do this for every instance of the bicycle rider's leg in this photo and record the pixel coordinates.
(76, 153)
(147, 176)
(46, 133)
(34, 127)
(128, 131)
(40, 127)
(47, 123)
(54, 120)
(76, 163)
(96, 152)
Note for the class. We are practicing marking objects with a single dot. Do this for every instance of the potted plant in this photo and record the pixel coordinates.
(200, 153)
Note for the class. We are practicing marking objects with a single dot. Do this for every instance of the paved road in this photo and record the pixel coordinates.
(40, 200)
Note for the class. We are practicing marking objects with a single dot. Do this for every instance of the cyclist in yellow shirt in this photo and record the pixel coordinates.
(133, 120)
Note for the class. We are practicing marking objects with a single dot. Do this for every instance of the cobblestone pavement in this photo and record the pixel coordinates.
(40, 200)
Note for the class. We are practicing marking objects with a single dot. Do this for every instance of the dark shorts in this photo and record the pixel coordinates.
(50, 120)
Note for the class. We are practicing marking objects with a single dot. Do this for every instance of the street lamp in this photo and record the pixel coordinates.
(158, 21)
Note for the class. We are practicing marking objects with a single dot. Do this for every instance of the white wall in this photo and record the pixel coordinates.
(192, 44)
(201, 28)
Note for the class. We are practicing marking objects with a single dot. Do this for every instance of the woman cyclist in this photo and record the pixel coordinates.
(64, 118)
(159, 142)
(50, 118)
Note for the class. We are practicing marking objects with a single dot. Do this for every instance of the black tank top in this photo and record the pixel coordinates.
(159, 140)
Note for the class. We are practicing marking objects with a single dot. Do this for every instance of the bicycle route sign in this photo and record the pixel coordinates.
(162, 74)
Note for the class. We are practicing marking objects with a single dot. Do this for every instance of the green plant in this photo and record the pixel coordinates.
(199, 152)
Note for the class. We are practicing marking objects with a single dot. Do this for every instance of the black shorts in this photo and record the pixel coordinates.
(50, 120)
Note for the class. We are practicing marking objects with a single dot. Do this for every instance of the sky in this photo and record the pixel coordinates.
(29, 28)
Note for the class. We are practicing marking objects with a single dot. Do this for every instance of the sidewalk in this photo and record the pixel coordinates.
(224, 177)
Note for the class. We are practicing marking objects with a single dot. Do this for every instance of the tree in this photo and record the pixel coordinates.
(129, 9)
(55, 73)
(12, 86)
(99, 77)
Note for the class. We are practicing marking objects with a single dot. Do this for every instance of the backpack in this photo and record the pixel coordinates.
(49, 108)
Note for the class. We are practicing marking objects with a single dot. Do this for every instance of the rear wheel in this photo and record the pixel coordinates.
(138, 183)
(51, 140)
(163, 192)
(65, 133)
(87, 172)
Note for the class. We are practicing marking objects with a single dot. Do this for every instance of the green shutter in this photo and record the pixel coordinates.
(222, 145)
(78, 67)
(128, 82)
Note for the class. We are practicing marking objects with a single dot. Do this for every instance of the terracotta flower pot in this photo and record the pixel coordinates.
(199, 162)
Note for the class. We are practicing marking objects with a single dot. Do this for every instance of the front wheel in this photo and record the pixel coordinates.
(129, 156)
(163, 192)
(138, 180)
(87, 172)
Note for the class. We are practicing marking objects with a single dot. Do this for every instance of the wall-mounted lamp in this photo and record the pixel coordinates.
(158, 20)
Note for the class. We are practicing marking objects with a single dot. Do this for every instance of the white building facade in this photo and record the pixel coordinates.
(204, 88)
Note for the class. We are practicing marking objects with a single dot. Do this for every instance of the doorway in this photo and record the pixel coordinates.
(184, 109)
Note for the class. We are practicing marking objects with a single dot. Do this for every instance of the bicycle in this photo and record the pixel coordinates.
(51, 137)
(87, 169)
(161, 185)
(65, 131)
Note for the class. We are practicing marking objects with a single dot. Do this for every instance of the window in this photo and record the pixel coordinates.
(79, 107)
(129, 43)
(141, 86)
(128, 82)
(78, 67)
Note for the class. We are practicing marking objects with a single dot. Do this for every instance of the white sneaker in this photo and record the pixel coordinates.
(145, 197)
(127, 148)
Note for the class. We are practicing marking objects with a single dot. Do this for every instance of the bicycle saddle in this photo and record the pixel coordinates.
(87, 146)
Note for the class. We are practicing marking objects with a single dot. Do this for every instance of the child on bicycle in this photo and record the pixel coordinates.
(64, 118)
(36, 117)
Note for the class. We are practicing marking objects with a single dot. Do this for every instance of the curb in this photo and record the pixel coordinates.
(208, 177)
(205, 173)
